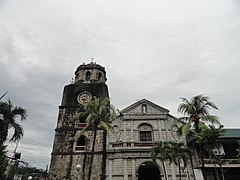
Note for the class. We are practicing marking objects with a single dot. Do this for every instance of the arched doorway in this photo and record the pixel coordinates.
(147, 171)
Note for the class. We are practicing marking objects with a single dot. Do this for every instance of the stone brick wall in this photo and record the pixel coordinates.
(125, 150)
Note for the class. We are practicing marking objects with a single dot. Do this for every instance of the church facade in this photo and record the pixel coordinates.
(137, 130)
(121, 155)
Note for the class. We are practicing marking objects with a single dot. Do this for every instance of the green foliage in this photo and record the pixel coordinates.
(208, 137)
(178, 153)
(175, 152)
(98, 114)
(3, 160)
(8, 120)
(160, 150)
(31, 171)
(197, 111)
(219, 160)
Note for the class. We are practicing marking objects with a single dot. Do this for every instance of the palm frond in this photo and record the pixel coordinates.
(3, 95)
(19, 111)
(105, 126)
(210, 118)
(18, 132)
(184, 129)
(83, 131)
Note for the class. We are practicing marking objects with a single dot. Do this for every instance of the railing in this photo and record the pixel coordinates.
(144, 144)
(228, 163)
(79, 148)
(132, 144)
(81, 125)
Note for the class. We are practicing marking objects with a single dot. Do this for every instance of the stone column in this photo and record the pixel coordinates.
(132, 135)
(167, 131)
(124, 130)
(125, 169)
(110, 169)
(159, 129)
(173, 171)
(133, 170)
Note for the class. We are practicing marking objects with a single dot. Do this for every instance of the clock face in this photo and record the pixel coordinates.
(84, 97)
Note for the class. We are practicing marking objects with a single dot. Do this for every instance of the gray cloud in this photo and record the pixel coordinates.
(159, 50)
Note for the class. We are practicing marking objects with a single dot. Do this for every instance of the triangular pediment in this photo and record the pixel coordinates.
(144, 106)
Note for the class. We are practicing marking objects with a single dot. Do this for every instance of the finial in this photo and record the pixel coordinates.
(72, 81)
(92, 60)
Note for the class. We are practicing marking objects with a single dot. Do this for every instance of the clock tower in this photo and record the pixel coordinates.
(69, 158)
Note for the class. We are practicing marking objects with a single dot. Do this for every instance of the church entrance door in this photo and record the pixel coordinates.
(148, 171)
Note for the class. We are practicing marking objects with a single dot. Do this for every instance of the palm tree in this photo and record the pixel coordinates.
(197, 111)
(161, 151)
(220, 161)
(9, 114)
(208, 139)
(3, 160)
(99, 115)
(178, 154)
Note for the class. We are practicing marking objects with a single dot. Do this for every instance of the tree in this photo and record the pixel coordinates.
(161, 151)
(3, 160)
(8, 120)
(178, 154)
(175, 152)
(209, 136)
(220, 161)
(99, 115)
(35, 172)
(197, 111)
(208, 139)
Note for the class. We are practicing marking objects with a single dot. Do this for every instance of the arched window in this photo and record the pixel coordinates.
(81, 141)
(88, 76)
(99, 76)
(82, 120)
(145, 132)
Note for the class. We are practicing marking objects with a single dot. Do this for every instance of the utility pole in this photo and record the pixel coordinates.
(14, 162)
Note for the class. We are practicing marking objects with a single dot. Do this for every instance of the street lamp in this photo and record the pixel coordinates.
(30, 177)
(78, 167)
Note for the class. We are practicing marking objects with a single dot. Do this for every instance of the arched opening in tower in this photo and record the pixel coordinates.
(88, 76)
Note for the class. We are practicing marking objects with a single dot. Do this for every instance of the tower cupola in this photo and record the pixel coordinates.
(92, 72)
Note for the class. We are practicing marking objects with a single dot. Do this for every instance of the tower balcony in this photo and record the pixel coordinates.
(138, 144)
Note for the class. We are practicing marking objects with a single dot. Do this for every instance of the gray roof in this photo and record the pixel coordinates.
(232, 133)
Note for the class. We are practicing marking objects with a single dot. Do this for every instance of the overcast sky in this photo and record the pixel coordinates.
(160, 50)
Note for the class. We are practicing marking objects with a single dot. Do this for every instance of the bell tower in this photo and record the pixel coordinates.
(69, 158)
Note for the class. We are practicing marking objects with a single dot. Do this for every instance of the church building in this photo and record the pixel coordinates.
(136, 131)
